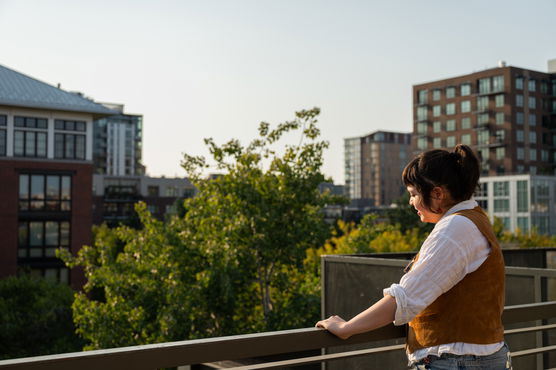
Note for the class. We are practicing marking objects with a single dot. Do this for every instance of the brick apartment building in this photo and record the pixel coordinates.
(506, 114)
(373, 167)
(46, 167)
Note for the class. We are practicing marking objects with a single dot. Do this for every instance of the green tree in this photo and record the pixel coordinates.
(35, 318)
(232, 263)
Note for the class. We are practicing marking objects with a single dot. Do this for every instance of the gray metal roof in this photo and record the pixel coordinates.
(17, 89)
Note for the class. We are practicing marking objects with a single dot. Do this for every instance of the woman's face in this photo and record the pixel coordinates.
(426, 215)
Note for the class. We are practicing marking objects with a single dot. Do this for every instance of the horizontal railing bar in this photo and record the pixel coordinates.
(530, 271)
(533, 351)
(171, 354)
(314, 359)
(528, 312)
(529, 329)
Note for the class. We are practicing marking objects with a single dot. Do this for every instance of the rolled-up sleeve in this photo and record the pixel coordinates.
(442, 264)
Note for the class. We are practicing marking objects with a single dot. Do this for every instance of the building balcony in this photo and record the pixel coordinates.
(206, 351)
(490, 92)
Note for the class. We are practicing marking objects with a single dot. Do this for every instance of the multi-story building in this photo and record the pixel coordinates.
(523, 202)
(373, 167)
(506, 114)
(46, 167)
(118, 143)
(114, 197)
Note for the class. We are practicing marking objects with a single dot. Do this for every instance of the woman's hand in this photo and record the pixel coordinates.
(336, 325)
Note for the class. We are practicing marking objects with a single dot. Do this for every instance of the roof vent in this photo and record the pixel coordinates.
(501, 63)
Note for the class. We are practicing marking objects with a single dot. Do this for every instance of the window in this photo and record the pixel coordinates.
(532, 137)
(532, 154)
(40, 239)
(437, 142)
(499, 100)
(465, 106)
(482, 190)
(532, 102)
(482, 137)
(153, 191)
(500, 135)
(498, 83)
(500, 153)
(465, 123)
(466, 139)
(523, 224)
(436, 94)
(422, 128)
(450, 92)
(451, 125)
(500, 118)
(422, 113)
(451, 141)
(484, 85)
(422, 143)
(152, 208)
(520, 168)
(532, 85)
(544, 155)
(422, 96)
(482, 119)
(30, 137)
(465, 89)
(3, 120)
(519, 83)
(436, 110)
(172, 191)
(532, 119)
(44, 192)
(519, 100)
(69, 145)
(501, 188)
(520, 154)
(437, 126)
(501, 205)
(482, 103)
(519, 118)
(522, 196)
(519, 136)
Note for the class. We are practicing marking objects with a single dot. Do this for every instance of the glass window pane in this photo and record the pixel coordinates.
(42, 123)
(53, 187)
(3, 120)
(79, 126)
(80, 146)
(64, 276)
(59, 124)
(69, 146)
(2, 142)
(41, 144)
(51, 233)
(30, 122)
(36, 235)
(23, 235)
(70, 125)
(18, 142)
(35, 252)
(66, 188)
(30, 144)
(51, 274)
(37, 187)
(23, 186)
(64, 233)
(19, 122)
(59, 145)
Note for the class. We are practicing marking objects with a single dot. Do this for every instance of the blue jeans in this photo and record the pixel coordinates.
(499, 360)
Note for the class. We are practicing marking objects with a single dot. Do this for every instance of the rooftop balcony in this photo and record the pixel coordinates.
(173, 354)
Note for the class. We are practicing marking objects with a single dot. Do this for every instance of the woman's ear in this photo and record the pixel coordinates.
(437, 193)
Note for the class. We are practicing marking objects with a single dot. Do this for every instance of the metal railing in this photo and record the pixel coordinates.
(172, 354)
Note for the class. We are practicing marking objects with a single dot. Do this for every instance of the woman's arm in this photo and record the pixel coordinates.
(379, 314)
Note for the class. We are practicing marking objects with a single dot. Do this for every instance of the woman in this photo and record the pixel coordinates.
(452, 295)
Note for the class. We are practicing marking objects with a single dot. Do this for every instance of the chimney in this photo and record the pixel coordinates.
(552, 66)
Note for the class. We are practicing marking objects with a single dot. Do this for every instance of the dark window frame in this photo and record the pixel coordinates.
(49, 204)
(26, 247)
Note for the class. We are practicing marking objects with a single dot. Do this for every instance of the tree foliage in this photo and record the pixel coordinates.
(35, 318)
(232, 263)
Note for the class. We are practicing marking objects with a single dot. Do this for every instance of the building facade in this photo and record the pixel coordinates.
(46, 167)
(506, 114)
(118, 141)
(373, 167)
(114, 197)
(523, 202)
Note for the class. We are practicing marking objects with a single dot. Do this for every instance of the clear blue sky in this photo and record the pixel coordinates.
(207, 68)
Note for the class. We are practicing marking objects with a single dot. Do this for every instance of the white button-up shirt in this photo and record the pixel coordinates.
(454, 248)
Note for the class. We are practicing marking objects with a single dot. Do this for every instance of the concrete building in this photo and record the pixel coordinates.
(522, 202)
(118, 142)
(46, 167)
(506, 114)
(373, 167)
(114, 197)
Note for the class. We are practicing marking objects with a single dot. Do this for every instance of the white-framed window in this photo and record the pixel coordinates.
(500, 153)
(532, 154)
(451, 125)
(519, 83)
(451, 108)
(436, 94)
(465, 106)
(499, 100)
(465, 89)
(437, 142)
(437, 126)
(519, 100)
(465, 123)
(450, 92)
(520, 153)
(519, 118)
(532, 119)
(451, 141)
(498, 83)
(532, 85)
(519, 136)
(532, 102)
(500, 118)
(532, 137)
(466, 139)
(436, 110)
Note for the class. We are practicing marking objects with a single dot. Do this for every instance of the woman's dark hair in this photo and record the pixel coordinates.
(457, 171)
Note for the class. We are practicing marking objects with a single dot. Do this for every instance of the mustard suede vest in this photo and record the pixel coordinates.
(471, 311)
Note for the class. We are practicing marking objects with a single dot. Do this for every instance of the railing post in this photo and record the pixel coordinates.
(538, 335)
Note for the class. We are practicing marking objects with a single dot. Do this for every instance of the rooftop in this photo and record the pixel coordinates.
(17, 89)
